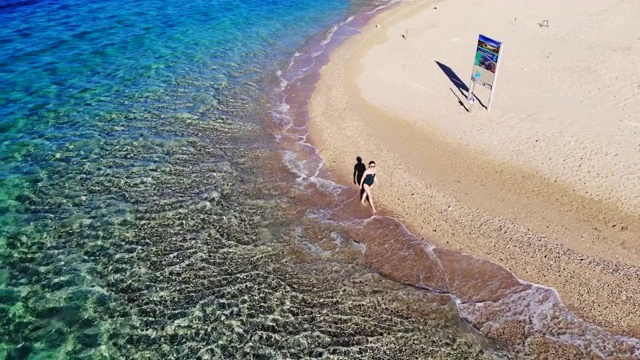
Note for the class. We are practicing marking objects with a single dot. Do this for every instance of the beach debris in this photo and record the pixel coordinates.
(622, 227)
(377, 25)
(514, 21)
(435, 8)
(544, 23)
(405, 35)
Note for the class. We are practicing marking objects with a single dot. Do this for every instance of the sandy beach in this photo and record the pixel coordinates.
(547, 183)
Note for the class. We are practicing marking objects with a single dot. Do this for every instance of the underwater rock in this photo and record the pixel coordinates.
(68, 281)
(25, 199)
(5, 320)
(20, 327)
(87, 323)
(21, 209)
(4, 210)
(27, 271)
(51, 337)
(70, 315)
(9, 296)
(89, 338)
(21, 352)
(96, 250)
(102, 299)
(81, 295)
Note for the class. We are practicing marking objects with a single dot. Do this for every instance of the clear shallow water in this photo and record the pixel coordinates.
(146, 211)
(528, 319)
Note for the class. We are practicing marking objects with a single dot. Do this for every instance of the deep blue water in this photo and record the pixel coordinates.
(145, 211)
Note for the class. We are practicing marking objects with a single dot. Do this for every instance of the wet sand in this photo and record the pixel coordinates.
(542, 185)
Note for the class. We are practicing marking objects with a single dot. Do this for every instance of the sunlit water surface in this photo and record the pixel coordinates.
(145, 208)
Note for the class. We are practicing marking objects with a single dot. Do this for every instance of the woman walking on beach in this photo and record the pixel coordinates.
(367, 182)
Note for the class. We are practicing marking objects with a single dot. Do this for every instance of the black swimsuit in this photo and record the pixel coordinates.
(369, 179)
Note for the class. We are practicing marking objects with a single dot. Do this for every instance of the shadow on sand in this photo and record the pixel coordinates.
(459, 84)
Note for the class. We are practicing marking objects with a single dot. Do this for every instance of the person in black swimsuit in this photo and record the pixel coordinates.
(368, 177)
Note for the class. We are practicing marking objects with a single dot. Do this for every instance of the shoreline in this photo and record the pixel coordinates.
(459, 196)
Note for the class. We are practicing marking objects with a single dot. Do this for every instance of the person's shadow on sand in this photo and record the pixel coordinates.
(358, 170)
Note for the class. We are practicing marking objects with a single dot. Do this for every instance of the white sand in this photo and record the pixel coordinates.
(547, 184)
(567, 100)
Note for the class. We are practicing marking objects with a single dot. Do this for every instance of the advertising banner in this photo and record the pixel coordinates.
(486, 62)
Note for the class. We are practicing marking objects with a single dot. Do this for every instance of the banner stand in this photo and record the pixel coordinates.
(485, 67)
(495, 80)
(471, 98)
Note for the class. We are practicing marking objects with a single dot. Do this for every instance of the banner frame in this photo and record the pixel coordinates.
(471, 97)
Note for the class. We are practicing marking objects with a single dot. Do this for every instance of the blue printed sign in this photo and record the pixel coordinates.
(486, 61)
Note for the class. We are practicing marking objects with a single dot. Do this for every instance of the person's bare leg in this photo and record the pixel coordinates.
(367, 189)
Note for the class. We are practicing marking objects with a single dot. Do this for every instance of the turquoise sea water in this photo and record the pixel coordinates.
(158, 200)
(146, 211)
